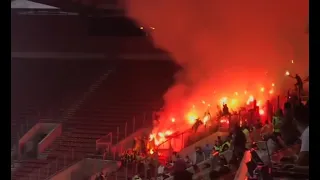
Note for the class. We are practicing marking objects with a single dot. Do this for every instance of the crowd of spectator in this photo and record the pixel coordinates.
(287, 127)
(287, 138)
(291, 127)
(180, 167)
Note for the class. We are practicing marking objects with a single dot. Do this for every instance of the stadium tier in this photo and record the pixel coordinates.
(132, 89)
(45, 88)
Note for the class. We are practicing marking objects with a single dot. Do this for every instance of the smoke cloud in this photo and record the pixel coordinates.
(227, 45)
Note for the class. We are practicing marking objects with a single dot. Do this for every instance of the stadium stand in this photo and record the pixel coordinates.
(46, 88)
(132, 89)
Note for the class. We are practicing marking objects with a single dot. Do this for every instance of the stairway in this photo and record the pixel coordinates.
(92, 89)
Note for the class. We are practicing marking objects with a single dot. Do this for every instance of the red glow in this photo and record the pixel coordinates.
(225, 55)
(271, 91)
(206, 119)
(224, 121)
(151, 151)
(261, 112)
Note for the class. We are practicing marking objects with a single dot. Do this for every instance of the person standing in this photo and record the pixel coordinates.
(289, 131)
(301, 119)
(239, 144)
(277, 122)
(180, 172)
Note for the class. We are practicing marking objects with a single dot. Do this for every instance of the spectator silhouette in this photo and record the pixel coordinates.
(288, 129)
(301, 119)
(180, 172)
(239, 144)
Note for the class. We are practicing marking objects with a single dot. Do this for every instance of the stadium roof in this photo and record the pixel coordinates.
(74, 5)
(24, 4)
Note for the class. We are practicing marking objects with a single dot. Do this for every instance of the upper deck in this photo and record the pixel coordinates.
(55, 33)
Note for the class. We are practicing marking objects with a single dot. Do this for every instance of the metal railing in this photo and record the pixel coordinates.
(54, 166)
(68, 159)
(107, 140)
(104, 142)
(186, 141)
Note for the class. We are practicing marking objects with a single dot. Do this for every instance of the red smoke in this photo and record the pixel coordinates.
(227, 46)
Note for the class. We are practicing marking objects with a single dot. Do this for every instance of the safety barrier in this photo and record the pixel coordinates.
(55, 166)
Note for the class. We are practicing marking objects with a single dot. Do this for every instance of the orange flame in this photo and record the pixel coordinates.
(151, 151)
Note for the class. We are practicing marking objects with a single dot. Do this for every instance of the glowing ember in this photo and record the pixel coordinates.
(271, 91)
(236, 93)
(203, 102)
(292, 61)
(272, 84)
(258, 103)
(151, 151)
(287, 73)
(173, 120)
(262, 89)
(250, 99)
(261, 112)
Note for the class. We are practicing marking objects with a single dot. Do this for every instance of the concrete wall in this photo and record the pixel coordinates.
(29, 139)
(85, 169)
(52, 135)
(28, 136)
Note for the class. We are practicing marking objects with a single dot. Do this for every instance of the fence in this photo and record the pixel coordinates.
(54, 166)
(183, 139)
(132, 169)
(70, 158)
(130, 128)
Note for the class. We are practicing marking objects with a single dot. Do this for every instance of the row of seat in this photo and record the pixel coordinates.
(97, 116)
(39, 91)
